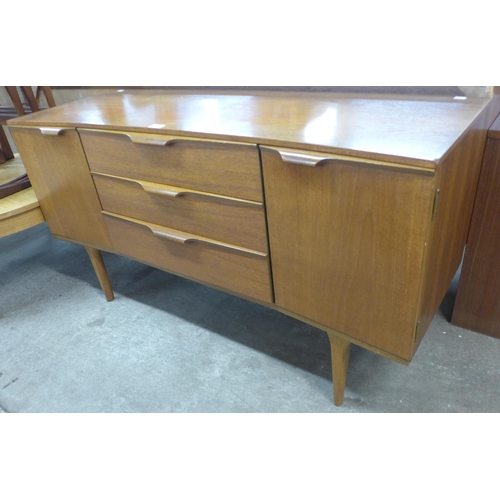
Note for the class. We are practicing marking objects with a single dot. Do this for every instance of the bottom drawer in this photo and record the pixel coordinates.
(243, 271)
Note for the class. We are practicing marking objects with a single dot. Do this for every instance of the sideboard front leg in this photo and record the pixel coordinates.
(340, 360)
(100, 270)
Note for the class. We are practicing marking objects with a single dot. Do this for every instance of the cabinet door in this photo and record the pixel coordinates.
(59, 173)
(347, 242)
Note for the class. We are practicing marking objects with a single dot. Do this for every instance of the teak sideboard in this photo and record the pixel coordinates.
(347, 212)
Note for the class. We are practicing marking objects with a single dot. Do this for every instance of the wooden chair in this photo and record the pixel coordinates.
(5, 149)
(19, 207)
(20, 210)
(32, 103)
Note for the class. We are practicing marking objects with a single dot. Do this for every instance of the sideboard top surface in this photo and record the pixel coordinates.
(410, 130)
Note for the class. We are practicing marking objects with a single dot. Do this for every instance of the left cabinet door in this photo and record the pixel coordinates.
(60, 176)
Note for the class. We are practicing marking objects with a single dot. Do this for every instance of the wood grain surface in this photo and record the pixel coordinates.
(457, 178)
(21, 210)
(416, 131)
(347, 245)
(232, 221)
(357, 242)
(225, 169)
(60, 176)
(242, 272)
(477, 305)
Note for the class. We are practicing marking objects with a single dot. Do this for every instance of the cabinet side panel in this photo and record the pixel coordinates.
(347, 245)
(478, 299)
(458, 176)
(59, 173)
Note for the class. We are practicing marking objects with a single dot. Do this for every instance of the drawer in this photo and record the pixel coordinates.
(221, 168)
(237, 269)
(234, 221)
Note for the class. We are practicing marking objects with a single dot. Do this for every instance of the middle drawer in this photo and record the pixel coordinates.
(234, 221)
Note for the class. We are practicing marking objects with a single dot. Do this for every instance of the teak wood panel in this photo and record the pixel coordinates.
(234, 221)
(347, 245)
(220, 168)
(441, 136)
(409, 129)
(457, 178)
(477, 305)
(242, 272)
(60, 176)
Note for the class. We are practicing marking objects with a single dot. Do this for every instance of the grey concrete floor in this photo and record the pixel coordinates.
(169, 345)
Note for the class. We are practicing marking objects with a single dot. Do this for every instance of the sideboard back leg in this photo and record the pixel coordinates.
(340, 361)
(100, 270)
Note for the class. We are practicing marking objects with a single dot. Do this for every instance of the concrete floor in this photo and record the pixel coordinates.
(169, 345)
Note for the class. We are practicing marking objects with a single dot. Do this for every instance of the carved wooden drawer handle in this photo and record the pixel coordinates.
(165, 140)
(176, 238)
(303, 158)
(149, 140)
(176, 192)
(53, 131)
(183, 238)
(168, 191)
(311, 159)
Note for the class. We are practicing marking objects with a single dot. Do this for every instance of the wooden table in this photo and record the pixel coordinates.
(477, 305)
(347, 212)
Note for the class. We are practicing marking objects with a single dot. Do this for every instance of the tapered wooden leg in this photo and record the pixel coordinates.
(340, 361)
(100, 270)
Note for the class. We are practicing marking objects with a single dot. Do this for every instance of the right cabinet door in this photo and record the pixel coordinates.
(347, 242)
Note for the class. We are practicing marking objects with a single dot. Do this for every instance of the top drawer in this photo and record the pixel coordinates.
(215, 167)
